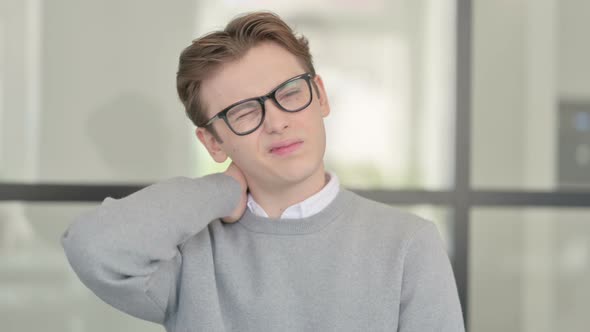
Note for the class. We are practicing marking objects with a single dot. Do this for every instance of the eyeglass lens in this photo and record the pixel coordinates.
(291, 97)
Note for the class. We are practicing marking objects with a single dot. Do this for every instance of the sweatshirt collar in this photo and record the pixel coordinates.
(310, 206)
(342, 204)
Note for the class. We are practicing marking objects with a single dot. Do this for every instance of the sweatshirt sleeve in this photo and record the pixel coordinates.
(429, 297)
(127, 250)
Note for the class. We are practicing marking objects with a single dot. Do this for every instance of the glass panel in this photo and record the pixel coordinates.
(89, 104)
(529, 270)
(86, 100)
(37, 281)
(531, 95)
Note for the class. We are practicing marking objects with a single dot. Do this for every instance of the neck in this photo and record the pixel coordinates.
(276, 199)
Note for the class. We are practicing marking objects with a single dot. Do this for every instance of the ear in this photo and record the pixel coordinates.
(322, 96)
(212, 145)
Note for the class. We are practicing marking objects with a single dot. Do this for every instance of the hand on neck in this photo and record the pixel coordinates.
(275, 199)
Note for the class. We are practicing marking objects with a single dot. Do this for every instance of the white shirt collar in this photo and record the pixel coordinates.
(306, 208)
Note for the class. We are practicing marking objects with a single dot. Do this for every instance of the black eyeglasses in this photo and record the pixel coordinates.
(245, 116)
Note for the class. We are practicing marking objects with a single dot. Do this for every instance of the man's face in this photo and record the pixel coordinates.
(301, 134)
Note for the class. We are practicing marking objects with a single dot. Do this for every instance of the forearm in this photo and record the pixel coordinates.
(120, 245)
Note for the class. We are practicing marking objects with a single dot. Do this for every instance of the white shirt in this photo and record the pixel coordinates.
(306, 208)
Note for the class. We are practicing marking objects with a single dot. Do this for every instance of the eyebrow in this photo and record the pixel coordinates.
(287, 83)
(239, 103)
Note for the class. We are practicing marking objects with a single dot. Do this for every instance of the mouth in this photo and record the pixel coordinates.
(285, 147)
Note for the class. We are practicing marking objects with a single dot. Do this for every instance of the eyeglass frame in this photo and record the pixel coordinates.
(262, 100)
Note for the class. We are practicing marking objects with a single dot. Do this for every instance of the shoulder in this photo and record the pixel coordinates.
(387, 220)
(383, 213)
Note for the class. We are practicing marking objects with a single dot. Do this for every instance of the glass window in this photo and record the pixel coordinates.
(88, 91)
(531, 95)
(529, 269)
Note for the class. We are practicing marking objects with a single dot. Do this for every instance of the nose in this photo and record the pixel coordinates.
(275, 119)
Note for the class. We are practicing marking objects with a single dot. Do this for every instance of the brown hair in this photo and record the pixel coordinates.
(210, 51)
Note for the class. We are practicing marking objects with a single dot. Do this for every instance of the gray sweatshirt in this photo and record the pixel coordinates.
(163, 255)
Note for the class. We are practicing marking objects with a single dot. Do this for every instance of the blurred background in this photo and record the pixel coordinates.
(472, 113)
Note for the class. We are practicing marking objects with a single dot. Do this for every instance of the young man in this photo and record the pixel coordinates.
(273, 243)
